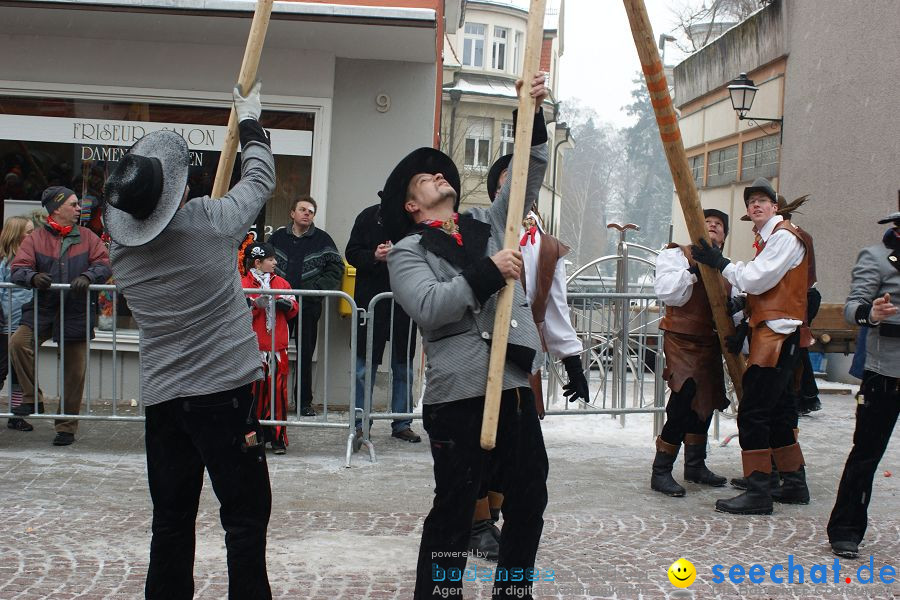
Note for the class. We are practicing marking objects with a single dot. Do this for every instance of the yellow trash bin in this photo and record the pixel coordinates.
(348, 285)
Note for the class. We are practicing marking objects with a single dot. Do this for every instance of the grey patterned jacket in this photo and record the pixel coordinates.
(441, 287)
(874, 275)
(184, 291)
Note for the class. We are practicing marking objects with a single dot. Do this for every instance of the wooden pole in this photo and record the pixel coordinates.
(670, 133)
(246, 79)
(519, 173)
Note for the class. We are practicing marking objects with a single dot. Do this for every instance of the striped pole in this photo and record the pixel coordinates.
(670, 134)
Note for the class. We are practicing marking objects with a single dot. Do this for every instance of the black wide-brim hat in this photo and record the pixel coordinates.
(394, 218)
(714, 212)
(891, 218)
(122, 217)
(494, 172)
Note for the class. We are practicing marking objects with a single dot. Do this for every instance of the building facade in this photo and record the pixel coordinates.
(349, 87)
(840, 144)
(482, 60)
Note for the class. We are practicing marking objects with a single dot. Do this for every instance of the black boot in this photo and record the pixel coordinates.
(484, 542)
(661, 479)
(757, 500)
(695, 469)
(741, 482)
(794, 490)
(790, 461)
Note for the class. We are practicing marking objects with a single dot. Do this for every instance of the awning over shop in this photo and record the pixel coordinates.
(359, 32)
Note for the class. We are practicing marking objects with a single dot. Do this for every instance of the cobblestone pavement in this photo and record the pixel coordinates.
(77, 519)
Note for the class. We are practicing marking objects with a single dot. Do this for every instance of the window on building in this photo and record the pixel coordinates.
(501, 34)
(759, 158)
(518, 50)
(473, 44)
(478, 143)
(722, 166)
(696, 163)
(507, 137)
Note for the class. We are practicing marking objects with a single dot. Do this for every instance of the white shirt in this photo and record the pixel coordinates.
(674, 284)
(559, 335)
(783, 252)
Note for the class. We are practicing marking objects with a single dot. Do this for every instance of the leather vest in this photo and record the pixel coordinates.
(549, 254)
(787, 299)
(695, 316)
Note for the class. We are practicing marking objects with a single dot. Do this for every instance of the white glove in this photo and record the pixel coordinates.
(248, 107)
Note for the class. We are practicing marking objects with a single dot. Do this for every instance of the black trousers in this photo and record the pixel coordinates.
(767, 413)
(519, 460)
(809, 389)
(681, 418)
(875, 420)
(310, 312)
(183, 436)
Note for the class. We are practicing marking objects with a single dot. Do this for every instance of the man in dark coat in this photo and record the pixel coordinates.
(367, 250)
(312, 262)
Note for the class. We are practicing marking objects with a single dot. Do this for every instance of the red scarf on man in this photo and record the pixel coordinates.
(59, 229)
(450, 227)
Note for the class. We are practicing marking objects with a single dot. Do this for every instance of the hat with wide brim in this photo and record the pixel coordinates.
(171, 151)
(493, 177)
(715, 212)
(891, 218)
(394, 218)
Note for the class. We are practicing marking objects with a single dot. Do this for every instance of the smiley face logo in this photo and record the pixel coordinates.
(682, 573)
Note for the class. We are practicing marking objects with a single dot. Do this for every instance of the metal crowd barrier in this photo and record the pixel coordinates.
(622, 355)
(368, 414)
(88, 412)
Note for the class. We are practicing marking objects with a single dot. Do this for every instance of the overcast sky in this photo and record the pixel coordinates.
(599, 59)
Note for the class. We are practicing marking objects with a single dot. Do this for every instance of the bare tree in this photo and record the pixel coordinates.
(700, 22)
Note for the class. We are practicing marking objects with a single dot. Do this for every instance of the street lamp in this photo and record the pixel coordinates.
(742, 92)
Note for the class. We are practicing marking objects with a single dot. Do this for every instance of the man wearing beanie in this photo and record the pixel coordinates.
(59, 252)
(775, 282)
(176, 262)
(693, 363)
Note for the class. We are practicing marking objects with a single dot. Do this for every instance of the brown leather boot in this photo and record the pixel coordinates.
(757, 500)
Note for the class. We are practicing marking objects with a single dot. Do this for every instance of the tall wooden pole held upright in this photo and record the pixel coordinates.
(246, 79)
(519, 173)
(670, 133)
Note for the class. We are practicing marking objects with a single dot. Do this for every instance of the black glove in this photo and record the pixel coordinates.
(695, 269)
(79, 285)
(41, 281)
(578, 385)
(736, 304)
(708, 255)
(735, 343)
(283, 304)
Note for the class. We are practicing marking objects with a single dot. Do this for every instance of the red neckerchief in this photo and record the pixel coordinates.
(530, 235)
(59, 229)
(450, 227)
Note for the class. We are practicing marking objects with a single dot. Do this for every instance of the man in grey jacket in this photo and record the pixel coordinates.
(176, 263)
(445, 271)
(872, 303)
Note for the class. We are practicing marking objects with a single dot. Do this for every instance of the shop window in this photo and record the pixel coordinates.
(473, 44)
(498, 60)
(722, 167)
(759, 158)
(696, 163)
(76, 143)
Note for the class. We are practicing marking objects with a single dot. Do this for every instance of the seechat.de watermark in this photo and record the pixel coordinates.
(795, 572)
